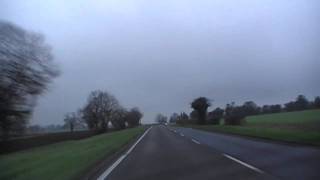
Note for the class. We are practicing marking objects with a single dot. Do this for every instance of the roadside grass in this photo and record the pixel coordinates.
(312, 138)
(299, 127)
(65, 160)
(308, 120)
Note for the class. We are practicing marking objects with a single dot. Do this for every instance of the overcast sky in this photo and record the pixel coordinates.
(160, 55)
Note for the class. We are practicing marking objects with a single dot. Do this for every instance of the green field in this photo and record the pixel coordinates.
(299, 120)
(65, 160)
(299, 127)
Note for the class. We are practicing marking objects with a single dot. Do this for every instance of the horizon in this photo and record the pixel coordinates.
(159, 56)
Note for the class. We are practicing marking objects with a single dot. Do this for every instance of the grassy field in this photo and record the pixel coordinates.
(299, 127)
(63, 160)
(36, 140)
(299, 120)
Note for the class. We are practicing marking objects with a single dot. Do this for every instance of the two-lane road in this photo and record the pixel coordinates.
(280, 160)
(163, 154)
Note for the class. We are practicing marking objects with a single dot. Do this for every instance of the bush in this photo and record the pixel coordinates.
(234, 115)
(215, 116)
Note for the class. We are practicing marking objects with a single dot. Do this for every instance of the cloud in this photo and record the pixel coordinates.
(160, 55)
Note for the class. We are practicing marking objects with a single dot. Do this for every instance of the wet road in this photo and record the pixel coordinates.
(164, 154)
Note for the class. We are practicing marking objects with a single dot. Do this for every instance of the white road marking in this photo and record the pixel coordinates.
(106, 173)
(175, 131)
(195, 141)
(243, 163)
(181, 134)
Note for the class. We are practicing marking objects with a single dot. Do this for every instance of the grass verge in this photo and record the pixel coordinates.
(65, 160)
(299, 127)
(303, 137)
(308, 120)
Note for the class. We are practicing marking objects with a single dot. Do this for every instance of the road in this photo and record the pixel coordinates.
(164, 154)
(280, 160)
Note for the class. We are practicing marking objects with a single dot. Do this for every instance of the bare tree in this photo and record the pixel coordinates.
(183, 118)
(173, 118)
(99, 110)
(317, 102)
(133, 117)
(118, 118)
(26, 69)
(72, 120)
(161, 119)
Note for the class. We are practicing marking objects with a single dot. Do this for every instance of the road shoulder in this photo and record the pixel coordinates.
(98, 168)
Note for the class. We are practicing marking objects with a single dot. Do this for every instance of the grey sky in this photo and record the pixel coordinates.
(160, 55)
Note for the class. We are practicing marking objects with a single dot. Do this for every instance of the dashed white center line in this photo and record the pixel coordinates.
(195, 141)
(181, 134)
(244, 164)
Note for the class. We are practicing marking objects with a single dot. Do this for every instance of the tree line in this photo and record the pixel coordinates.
(26, 70)
(234, 114)
(101, 111)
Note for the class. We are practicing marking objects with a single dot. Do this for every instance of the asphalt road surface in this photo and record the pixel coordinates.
(279, 160)
(164, 154)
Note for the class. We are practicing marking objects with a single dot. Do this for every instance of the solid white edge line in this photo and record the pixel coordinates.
(195, 141)
(243, 163)
(106, 173)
